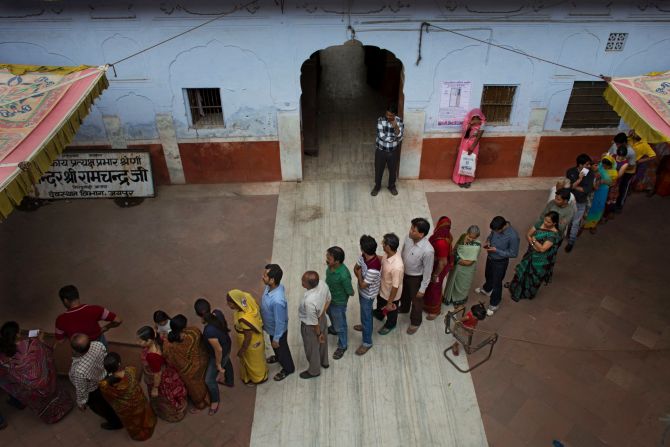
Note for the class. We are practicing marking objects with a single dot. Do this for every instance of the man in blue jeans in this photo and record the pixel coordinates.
(501, 245)
(275, 320)
(338, 280)
(368, 273)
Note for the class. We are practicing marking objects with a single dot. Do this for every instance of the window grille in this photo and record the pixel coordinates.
(587, 108)
(497, 101)
(205, 107)
(616, 41)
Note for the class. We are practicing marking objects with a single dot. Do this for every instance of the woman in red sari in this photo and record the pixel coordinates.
(472, 132)
(167, 392)
(122, 390)
(441, 241)
(27, 373)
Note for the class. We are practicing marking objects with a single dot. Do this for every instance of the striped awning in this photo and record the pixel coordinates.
(644, 104)
(41, 108)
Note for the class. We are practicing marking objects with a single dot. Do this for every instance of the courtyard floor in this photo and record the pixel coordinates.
(584, 363)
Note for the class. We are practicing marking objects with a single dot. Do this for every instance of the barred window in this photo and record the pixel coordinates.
(497, 101)
(587, 107)
(204, 106)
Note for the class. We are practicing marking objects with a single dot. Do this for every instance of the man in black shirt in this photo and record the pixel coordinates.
(581, 185)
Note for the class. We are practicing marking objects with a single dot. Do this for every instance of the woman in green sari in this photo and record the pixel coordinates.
(465, 256)
(538, 263)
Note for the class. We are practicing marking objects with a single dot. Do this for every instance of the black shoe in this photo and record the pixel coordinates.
(331, 330)
(339, 352)
(325, 366)
(110, 426)
(393, 191)
(568, 248)
(307, 375)
(374, 191)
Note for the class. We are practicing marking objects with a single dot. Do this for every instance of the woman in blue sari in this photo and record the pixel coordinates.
(607, 176)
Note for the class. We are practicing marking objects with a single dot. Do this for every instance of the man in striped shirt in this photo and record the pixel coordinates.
(390, 132)
(368, 272)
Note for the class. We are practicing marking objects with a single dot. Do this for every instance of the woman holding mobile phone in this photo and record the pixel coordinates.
(28, 373)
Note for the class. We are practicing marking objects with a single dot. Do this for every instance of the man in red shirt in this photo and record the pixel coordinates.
(83, 318)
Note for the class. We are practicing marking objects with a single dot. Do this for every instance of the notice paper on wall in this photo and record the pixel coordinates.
(454, 102)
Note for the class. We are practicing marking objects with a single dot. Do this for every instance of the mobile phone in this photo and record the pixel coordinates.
(33, 333)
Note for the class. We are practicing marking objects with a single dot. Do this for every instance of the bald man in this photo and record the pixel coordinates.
(86, 372)
(311, 312)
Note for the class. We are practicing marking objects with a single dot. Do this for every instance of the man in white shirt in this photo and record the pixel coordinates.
(311, 312)
(418, 257)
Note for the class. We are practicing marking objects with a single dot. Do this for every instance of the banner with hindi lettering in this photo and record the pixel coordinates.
(94, 175)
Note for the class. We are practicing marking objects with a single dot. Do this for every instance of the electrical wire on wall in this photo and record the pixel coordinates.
(427, 26)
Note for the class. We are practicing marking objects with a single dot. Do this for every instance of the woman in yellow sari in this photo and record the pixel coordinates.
(249, 331)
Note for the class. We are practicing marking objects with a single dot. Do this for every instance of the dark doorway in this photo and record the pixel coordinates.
(344, 89)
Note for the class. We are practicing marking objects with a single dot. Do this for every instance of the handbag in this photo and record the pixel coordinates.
(468, 164)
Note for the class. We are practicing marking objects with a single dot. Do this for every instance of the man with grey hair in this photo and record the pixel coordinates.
(311, 312)
(86, 372)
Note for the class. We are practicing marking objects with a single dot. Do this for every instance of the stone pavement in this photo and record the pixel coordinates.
(609, 293)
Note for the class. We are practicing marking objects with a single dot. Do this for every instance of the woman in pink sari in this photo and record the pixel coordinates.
(472, 132)
(27, 373)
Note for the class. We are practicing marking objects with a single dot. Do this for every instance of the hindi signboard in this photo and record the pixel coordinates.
(103, 174)
(454, 102)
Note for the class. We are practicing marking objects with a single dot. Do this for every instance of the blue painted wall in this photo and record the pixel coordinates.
(254, 55)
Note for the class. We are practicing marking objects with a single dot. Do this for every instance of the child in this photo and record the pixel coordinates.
(162, 321)
(470, 321)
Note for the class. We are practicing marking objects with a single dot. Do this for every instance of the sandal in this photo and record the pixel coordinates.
(362, 349)
(281, 375)
(212, 411)
(272, 359)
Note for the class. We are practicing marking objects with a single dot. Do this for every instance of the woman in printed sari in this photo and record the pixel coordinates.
(167, 392)
(121, 389)
(538, 262)
(472, 132)
(466, 252)
(606, 177)
(184, 350)
(441, 241)
(249, 331)
(28, 373)
(620, 165)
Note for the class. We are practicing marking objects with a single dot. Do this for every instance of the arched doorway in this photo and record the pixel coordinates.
(344, 89)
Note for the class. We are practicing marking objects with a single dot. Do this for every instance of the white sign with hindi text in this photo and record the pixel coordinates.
(91, 175)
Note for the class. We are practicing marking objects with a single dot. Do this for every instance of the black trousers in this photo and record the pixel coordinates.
(494, 274)
(283, 353)
(624, 186)
(101, 407)
(391, 317)
(384, 159)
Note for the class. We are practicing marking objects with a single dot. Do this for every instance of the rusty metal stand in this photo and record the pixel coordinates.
(464, 335)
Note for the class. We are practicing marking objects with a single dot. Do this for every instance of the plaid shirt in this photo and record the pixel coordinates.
(387, 140)
(87, 371)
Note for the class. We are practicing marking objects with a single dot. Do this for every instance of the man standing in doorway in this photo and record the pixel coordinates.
(418, 256)
(338, 279)
(390, 132)
(501, 245)
(275, 320)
